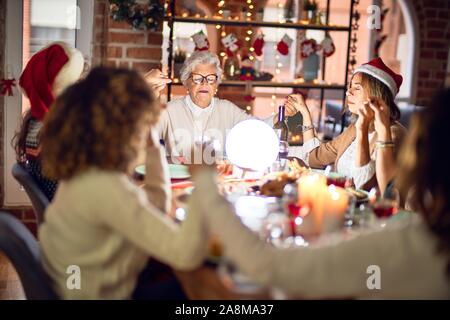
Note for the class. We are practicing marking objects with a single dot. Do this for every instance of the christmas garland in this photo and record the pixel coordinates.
(138, 15)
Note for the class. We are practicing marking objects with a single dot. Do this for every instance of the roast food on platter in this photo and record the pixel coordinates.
(276, 182)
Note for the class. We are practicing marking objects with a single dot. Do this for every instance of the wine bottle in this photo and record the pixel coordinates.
(281, 127)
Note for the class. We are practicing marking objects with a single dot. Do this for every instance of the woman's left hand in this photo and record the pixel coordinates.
(382, 118)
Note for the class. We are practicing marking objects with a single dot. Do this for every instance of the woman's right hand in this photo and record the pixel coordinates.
(365, 117)
(297, 102)
(157, 80)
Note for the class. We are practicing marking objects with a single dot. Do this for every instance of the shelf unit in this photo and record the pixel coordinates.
(171, 18)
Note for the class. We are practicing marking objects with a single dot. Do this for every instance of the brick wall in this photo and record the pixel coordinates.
(117, 44)
(434, 26)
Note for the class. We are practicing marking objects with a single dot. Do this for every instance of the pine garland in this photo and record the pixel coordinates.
(139, 16)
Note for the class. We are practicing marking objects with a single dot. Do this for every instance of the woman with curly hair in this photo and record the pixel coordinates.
(99, 220)
(411, 253)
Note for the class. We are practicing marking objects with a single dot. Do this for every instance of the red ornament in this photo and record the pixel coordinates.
(6, 86)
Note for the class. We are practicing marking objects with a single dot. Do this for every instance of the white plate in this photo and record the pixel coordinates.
(176, 171)
(140, 170)
(179, 171)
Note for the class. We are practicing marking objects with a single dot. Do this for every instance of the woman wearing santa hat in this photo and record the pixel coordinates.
(46, 75)
(370, 99)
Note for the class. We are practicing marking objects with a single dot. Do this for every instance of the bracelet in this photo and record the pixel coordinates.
(306, 128)
(384, 144)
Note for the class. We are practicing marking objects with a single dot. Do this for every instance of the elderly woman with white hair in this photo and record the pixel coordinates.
(200, 117)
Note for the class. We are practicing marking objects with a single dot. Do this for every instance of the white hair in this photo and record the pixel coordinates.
(200, 57)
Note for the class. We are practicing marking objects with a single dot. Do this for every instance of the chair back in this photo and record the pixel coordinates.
(22, 249)
(38, 199)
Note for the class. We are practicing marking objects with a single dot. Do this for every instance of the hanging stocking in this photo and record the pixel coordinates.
(307, 47)
(328, 46)
(259, 44)
(231, 44)
(284, 44)
(201, 41)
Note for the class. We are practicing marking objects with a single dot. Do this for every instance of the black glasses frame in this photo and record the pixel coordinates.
(204, 78)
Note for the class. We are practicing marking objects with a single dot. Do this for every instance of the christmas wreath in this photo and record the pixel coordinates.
(137, 13)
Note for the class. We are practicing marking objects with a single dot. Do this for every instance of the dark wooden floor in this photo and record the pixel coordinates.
(10, 287)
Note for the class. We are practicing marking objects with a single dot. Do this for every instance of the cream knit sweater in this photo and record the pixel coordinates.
(104, 224)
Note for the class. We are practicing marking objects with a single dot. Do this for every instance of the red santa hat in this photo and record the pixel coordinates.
(377, 69)
(48, 72)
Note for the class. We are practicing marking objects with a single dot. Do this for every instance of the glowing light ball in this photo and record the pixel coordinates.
(252, 144)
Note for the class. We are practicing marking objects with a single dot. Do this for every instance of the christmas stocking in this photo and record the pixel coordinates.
(231, 44)
(284, 44)
(328, 46)
(259, 44)
(307, 47)
(201, 41)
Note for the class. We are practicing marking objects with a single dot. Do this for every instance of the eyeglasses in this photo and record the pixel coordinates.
(198, 78)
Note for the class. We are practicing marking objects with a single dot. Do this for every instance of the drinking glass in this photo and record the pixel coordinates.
(276, 228)
(384, 206)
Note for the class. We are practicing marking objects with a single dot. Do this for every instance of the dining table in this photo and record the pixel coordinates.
(213, 280)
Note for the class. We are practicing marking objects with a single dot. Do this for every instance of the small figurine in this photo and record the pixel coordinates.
(247, 69)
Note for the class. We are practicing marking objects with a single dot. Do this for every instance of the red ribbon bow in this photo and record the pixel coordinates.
(6, 85)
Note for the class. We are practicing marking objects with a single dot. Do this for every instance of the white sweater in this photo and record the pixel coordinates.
(180, 128)
(336, 267)
(104, 224)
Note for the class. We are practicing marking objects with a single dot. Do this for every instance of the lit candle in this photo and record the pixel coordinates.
(309, 186)
(335, 206)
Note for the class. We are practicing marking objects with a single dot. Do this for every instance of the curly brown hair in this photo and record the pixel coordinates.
(98, 122)
(425, 171)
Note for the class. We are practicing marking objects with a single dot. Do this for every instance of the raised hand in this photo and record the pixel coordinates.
(295, 103)
(381, 115)
(157, 80)
(365, 117)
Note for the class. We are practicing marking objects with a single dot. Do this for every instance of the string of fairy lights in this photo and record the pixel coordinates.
(247, 14)
(278, 64)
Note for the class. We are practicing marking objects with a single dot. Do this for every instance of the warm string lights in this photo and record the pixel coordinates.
(220, 11)
(278, 64)
(249, 32)
(353, 39)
